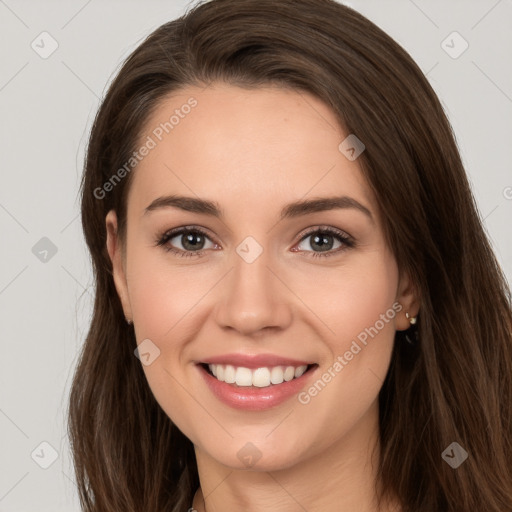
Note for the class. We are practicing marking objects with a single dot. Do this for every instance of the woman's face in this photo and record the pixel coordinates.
(268, 284)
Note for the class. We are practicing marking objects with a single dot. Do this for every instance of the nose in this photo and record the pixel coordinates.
(254, 298)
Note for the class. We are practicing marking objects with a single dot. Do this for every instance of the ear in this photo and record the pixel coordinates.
(408, 297)
(115, 252)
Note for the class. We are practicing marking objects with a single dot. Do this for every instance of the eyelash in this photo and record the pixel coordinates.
(162, 240)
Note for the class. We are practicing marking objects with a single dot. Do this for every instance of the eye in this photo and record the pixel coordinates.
(324, 240)
(191, 239)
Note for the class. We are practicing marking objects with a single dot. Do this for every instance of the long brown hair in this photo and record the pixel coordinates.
(453, 385)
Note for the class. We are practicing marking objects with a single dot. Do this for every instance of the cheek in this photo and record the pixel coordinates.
(357, 306)
(365, 298)
(359, 309)
(161, 295)
(166, 301)
(162, 301)
(349, 300)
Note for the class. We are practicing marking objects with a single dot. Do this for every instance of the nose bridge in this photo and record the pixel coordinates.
(252, 296)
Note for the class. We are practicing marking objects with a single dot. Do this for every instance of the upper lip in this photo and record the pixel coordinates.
(254, 361)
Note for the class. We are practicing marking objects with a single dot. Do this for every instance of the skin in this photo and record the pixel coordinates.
(253, 151)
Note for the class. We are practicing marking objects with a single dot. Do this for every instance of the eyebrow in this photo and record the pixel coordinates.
(291, 210)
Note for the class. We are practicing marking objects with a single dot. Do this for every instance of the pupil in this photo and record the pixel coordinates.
(189, 241)
(322, 241)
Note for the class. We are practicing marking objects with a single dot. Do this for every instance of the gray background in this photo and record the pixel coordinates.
(47, 106)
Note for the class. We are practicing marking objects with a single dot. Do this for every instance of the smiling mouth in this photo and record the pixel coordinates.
(266, 376)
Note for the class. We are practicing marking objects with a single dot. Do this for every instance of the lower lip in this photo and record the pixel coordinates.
(251, 398)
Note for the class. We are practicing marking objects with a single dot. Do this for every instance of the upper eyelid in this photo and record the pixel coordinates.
(320, 228)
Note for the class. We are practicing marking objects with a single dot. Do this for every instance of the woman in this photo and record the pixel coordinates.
(297, 307)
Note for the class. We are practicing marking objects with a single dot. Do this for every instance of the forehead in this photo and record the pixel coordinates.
(244, 146)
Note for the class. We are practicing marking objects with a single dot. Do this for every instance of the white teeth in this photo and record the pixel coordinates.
(276, 375)
(243, 376)
(289, 373)
(299, 371)
(229, 374)
(260, 377)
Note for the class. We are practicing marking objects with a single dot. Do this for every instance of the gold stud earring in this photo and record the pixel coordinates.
(412, 319)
